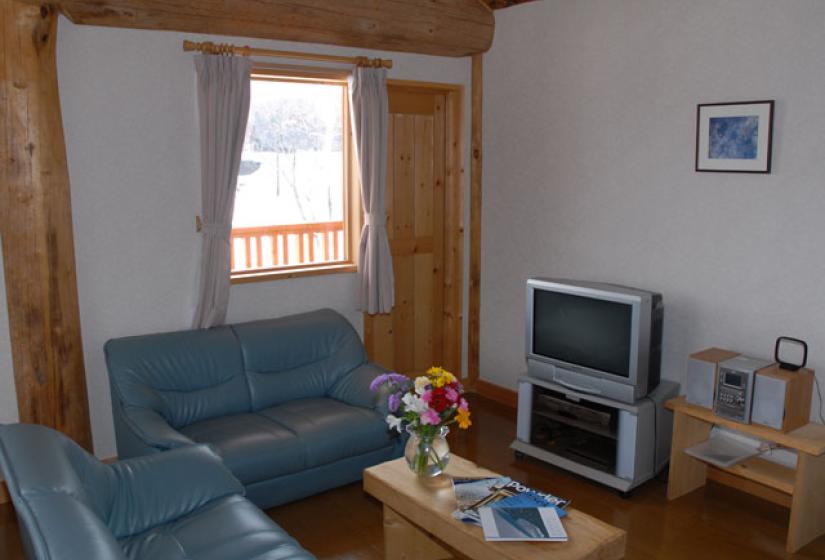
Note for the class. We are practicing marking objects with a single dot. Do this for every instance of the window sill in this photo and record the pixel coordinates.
(264, 276)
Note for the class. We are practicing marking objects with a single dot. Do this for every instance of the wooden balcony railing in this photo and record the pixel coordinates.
(267, 247)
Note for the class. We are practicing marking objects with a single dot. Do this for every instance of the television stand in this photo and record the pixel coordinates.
(617, 444)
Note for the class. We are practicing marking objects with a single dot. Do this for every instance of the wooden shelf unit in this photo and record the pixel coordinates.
(801, 489)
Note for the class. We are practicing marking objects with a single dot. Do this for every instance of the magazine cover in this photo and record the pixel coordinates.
(522, 524)
(469, 491)
(472, 494)
(514, 488)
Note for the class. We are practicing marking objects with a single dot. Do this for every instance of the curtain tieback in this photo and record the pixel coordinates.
(375, 220)
(222, 230)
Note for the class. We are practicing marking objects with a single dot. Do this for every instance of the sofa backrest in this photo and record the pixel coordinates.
(186, 376)
(194, 375)
(62, 494)
(295, 357)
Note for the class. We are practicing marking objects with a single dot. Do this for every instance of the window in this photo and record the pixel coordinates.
(293, 206)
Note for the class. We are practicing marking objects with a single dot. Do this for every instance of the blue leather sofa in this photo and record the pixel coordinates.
(181, 505)
(285, 402)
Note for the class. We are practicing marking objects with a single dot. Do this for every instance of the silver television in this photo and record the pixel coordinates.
(595, 338)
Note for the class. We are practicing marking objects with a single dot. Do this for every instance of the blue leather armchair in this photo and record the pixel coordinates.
(285, 402)
(181, 505)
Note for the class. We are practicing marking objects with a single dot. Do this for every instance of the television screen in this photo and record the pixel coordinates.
(582, 331)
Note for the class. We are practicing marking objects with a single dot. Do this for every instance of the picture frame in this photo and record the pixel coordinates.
(734, 137)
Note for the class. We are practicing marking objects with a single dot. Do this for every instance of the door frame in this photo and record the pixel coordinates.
(453, 277)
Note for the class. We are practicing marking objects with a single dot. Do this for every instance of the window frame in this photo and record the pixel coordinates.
(352, 214)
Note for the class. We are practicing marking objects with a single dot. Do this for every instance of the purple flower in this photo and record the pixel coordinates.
(394, 401)
(400, 381)
(378, 381)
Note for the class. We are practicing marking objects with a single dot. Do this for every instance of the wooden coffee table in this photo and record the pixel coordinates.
(418, 521)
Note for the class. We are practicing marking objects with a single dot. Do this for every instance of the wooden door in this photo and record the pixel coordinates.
(424, 227)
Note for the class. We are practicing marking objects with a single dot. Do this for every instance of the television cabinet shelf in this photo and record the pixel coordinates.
(801, 489)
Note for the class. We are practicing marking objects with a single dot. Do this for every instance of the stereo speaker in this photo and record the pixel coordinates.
(782, 399)
(701, 375)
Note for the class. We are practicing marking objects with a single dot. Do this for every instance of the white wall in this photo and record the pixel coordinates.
(130, 119)
(589, 153)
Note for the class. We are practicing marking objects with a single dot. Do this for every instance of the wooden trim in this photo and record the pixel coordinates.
(424, 87)
(474, 311)
(494, 392)
(451, 28)
(749, 486)
(453, 277)
(246, 278)
(36, 227)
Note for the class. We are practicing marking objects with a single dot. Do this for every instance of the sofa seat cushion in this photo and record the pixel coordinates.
(253, 447)
(231, 528)
(330, 430)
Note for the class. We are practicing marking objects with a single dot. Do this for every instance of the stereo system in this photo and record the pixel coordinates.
(749, 390)
(734, 387)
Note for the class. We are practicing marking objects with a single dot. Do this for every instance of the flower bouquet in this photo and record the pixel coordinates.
(425, 406)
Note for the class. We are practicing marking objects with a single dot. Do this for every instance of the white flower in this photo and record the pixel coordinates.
(421, 384)
(414, 404)
(394, 422)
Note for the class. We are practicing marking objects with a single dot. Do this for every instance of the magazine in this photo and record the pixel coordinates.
(469, 491)
(522, 524)
(475, 493)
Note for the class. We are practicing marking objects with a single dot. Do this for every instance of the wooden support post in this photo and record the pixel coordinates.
(686, 473)
(808, 507)
(36, 226)
(474, 315)
(405, 541)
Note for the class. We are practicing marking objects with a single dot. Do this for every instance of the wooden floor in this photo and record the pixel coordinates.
(712, 523)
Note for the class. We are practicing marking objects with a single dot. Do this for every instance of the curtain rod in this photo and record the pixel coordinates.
(208, 47)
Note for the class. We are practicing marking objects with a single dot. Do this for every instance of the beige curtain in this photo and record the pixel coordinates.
(370, 113)
(223, 106)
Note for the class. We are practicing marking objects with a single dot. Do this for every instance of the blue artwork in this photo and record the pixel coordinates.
(733, 137)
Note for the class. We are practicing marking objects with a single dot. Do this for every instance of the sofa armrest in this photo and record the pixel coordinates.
(153, 429)
(61, 526)
(156, 489)
(354, 388)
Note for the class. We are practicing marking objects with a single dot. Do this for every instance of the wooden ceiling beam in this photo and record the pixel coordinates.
(436, 27)
(499, 4)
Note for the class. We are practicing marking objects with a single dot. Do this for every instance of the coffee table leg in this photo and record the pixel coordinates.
(404, 541)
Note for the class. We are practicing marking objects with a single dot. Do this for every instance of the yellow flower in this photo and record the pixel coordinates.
(463, 418)
(440, 376)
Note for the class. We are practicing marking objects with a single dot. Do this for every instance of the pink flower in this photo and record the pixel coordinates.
(430, 417)
(427, 396)
(463, 405)
(451, 394)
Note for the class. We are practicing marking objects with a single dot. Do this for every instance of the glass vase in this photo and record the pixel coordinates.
(427, 451)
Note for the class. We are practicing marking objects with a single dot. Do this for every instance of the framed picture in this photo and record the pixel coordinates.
(734, 137)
